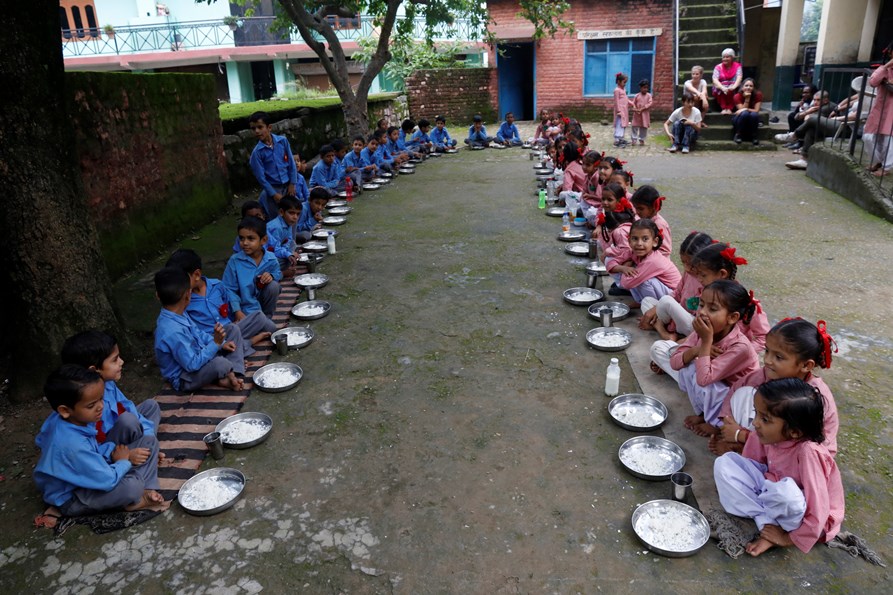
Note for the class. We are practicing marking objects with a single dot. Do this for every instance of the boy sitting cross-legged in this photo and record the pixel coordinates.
(77, 475)
(209, 303)
(328, 172)
(188, 357)
(311, 218)
(355, 165)
(122, 422)
(281, 232)
(252, 276)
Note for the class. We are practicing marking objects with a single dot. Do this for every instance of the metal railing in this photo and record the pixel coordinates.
(175, 36)
(844, 130)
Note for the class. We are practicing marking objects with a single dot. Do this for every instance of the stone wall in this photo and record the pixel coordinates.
(151, 157)
(456, 93)
(307, 129)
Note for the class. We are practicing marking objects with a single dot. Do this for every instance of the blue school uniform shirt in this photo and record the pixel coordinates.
(420, 138)
(306, 222)
(180, 346)
(240, 276)
(354, 159)
(393, 147)
(407, 143)
(207, 310)
(477, 136)
(370, 158)
(302, 191)
(441, 138)
(281, 237)
(329, 176)
(114, 403)
(274, 165)
(507, 132)
(71, 458)
(384, 156)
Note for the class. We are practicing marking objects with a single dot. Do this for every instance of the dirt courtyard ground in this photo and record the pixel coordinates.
(451, 434)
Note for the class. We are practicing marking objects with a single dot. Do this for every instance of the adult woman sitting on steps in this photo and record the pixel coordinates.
(746, 121)
(727, 77)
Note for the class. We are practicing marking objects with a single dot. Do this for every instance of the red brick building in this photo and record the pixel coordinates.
(575, 73)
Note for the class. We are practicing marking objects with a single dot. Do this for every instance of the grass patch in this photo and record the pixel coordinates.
(236, 111)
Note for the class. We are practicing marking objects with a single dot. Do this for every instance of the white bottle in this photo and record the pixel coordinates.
(330, 243)
(612, 378)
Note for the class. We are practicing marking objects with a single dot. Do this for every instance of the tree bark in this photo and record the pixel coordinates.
(55, 282)
(354, 102)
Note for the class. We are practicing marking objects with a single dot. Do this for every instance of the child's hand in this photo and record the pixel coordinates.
(729, 429)
(228, 346)
(647, 320)
(716, 351)
(318, 216)
(290, 190)
(138, 456)
(238, 315)
(219, 333)
(265, 278)
(121, 453)
(701, 325)
(277, 197)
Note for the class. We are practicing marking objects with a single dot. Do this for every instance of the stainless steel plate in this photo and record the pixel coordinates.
(195, 495)
(405, 171)
(596, 267)
(582, 296)
(311, 310)
(371, 186)
(338, 210)
(261, 420)
(314, 246)
(270, 377)
(651, 457)
(451, 151)
(637, 412)
(312, 280)
(609, 339)
(334, 220)
(381, 181)
(670, 528)
(298, 336)
(310, 257)
(577, 249)
(558, 212)
(323, 234)
(619, 310)
(571, 236)
(336, 203)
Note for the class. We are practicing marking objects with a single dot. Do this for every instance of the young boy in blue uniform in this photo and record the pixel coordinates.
(311, 217)
(477, 134)
(252, 276)
(209, 304)
(250, 208)
(354, 161)
(421, 138)
(281, 232)
(508, 134)
(122, 422)
(77, 475)
(385, 159)
(272, 163)
(370, 155)
(327, 173)
(188, 357)
(440, 138)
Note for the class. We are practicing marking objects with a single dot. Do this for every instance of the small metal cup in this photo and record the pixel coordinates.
(591, 280)
(532, 155)
(215, 445)
(282, 345)
(680, 486)
(593, 249)
(607, 316)
(311, 293)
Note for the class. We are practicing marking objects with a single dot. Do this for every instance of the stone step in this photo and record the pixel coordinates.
(726, 37)
(718, 119)
(718, 133)
(727, 145)
(707, 10)
(707, 63)
(708, 52)
(709, 21)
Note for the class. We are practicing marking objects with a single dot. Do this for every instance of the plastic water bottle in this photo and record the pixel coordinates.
(348, 188)
(565, 222)
(542, 201)
(612, 378)
(330, 242)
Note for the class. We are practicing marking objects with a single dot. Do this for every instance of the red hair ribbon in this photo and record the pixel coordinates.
(659, 202)
(729, 254)
(827, 342)
(790, 318)
(618, 74)
(603, 154)
(587, 135)
(623, 205)
(660, 233)
(600, 220)
(714, 241)
(755, 302)
(632, 181)
(622, 162)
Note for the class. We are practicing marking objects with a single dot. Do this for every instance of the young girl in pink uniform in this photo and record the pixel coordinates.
(647, 202)
(625, 179)
(641, 106)
(574, 176)
(719, 261)
(794, 347)
(671, 316)
(591, 199)
(785, 479)
(714, 356)
(644, 270)
(621, 110)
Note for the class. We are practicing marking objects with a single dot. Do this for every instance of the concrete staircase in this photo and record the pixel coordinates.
(706, 28)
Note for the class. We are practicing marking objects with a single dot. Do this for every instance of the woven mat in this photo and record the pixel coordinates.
(186, 418)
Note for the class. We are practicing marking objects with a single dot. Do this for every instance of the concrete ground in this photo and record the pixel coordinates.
(451, 434)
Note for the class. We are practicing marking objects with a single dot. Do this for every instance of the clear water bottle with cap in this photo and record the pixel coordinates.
(612, 378)
(565, 222)
(330, 242)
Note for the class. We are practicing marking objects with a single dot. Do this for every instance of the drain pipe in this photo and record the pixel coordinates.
(676, 52)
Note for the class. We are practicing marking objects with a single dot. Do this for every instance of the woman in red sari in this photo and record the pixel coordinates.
(727, 77)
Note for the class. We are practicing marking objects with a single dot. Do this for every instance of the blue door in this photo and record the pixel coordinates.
(514, 67)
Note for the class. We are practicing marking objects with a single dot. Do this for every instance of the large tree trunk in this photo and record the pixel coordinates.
(54, 282)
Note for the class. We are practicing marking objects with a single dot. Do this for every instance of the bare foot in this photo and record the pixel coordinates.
(696, 424)
(151, 500)
(758, 546)
(231, 381)
(260, 337)
(161, 457)
(656, 369)
(719, 447)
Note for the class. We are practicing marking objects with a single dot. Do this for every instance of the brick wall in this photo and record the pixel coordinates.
(456, 93)
(151, 157)
(559, 61)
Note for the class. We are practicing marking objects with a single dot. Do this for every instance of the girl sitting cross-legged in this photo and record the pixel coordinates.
(643, 268)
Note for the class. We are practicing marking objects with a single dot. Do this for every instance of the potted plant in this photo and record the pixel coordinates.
(109, 31)
(232, 22)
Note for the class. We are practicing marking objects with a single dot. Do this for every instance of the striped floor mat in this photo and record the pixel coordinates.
(186, 418)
